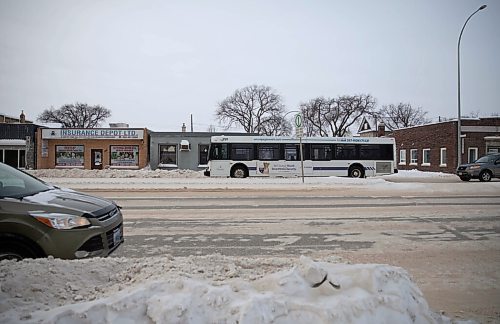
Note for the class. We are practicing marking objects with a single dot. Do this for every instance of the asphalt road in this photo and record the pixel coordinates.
(263, 224)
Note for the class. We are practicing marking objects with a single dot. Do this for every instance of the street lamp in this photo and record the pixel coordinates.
(459, 139)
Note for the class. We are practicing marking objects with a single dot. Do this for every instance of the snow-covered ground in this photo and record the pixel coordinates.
(402, 183)
(209, 289)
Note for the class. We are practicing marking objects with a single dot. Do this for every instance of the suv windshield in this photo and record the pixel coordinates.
(487, 159)
(17, 184)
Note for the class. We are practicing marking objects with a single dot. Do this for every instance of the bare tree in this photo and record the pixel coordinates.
(314, 112)
(258, 109)
(401, 115)
(334, 116)
(79, 115)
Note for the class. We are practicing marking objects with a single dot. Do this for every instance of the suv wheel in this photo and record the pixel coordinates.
(16, 248)
(485, 176)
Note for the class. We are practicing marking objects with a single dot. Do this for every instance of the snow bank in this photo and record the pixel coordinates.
(180, 173)
(420, 174)
(207, 290)
(115, 173)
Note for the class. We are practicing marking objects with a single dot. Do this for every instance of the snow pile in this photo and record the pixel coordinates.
(414, 173)
(207, 290)
(182, 173)
(115, 173)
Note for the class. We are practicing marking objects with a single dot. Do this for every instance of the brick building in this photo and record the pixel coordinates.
(433, 147)
(92, 148)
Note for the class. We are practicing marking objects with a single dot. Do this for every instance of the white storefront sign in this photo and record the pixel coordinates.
(92, 133)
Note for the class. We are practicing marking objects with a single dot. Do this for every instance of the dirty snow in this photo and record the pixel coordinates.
(207, 289)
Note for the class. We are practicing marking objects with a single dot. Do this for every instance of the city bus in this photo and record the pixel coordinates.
(268, 156)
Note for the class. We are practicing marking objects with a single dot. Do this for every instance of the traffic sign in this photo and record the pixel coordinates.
(298, 120)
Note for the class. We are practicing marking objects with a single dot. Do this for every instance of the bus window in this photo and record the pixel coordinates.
(345, 152)
(269, 152)
(376, 152)
(369, 152)
(218, 152)
(321, 152)
(242, 152)
(292, 152)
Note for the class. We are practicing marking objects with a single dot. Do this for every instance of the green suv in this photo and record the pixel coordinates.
(484, 168)
(38, 220)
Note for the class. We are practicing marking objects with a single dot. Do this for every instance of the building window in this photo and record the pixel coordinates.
(168, 155)
(442, 160)
(413, 156)
(14, 158)
(402, 157)
(472, 154)
(70, 156)
(124, 156)
(426, 157)
(203, 154)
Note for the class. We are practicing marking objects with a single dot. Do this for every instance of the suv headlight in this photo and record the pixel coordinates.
(61, 221)
(474, 167)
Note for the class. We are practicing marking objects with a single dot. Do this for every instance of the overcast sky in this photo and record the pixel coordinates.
(154, 63)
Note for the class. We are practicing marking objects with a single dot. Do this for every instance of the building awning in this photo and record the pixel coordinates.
(12, 142)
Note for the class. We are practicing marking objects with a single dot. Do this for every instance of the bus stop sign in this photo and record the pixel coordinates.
(298, 120)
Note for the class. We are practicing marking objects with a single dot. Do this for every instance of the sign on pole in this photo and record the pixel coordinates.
(298, 120)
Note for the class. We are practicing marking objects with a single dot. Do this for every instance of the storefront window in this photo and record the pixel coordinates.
(126, 156)
(168, 155)
(70, 156)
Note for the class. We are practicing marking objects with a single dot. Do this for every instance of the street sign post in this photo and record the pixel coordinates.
(300, 132)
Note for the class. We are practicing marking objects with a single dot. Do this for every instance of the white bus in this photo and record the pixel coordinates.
(264, 156)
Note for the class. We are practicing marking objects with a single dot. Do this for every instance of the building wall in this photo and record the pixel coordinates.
(19, 131)
(185, 159)
(444, 135)
(49, 161)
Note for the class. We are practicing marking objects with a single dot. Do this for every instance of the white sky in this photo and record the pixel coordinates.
(153, 63)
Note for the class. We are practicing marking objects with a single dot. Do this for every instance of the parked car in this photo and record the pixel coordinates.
(38, 220)
(484, 168)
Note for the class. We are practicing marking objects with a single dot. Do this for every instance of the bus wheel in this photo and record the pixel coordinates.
(239, 172)
(356, 172)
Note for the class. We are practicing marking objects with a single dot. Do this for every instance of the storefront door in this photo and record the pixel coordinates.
(96, 159)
